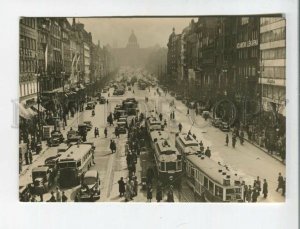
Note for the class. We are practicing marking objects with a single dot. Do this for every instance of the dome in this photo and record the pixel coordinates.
(132, 41)
(132, 38)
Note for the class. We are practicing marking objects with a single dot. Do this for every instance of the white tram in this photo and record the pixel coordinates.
(153, 123)
(186, 144)
(168, 160)
(212, 181)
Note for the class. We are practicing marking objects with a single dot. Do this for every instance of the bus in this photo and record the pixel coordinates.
(168, 161)
(211, 181)
(73, 163)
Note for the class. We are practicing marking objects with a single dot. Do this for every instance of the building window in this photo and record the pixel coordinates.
(273, 35)
(271, 54)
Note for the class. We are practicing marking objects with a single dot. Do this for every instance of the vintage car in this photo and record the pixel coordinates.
(102, 100)
(42, 178)
(82, 130)
(224, 126)
(179, 96)
(90, 186)
(216, 122)
(51, 162)
(73, 136)
(118, 113)
(90, 106)
(55, 139)
(25, 191)
(121, 125)
(88, 124)
(205, 114)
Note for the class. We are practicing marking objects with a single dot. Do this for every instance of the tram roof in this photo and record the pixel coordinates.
(76, 152)
(213, 169)
(159, 134)
(188, 140)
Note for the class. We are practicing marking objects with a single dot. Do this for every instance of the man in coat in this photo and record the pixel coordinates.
(121, 187)
(280, 182)
(265, 188)
(207, 152)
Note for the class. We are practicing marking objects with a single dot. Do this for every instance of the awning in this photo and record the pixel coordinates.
(35, 108)
(26, 113)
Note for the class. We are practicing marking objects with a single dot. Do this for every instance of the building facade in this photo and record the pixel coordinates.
(273, 68)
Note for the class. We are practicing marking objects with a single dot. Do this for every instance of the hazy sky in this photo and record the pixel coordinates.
(149, 31)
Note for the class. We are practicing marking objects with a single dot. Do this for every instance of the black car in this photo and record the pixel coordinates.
(224, 126)
(102, 100)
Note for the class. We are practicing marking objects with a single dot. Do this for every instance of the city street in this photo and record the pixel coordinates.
(247, 160)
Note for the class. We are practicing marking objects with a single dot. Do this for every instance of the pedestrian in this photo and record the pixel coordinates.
(128, 191)
(188, 112)
(258, 184)
(173, 114)
(249, 193)
(149, 193)
(170, 195)
(160, 116)
(95, 132)
(64, 198)
(27, 157)
(117, 132)
(52, 199)
(283, 187)
(58, 195)
(245, 190)
(159, 193)
(121, 187)
(201, 146)
(194, 136)
(265, 188)
(180, 127)
(30, 156)
(207, 152)
(105, 132)
(135, 186)
(233, 141)
(111, 146)
(227, 139)
(254, 195)
(107, 101)
(280, 182)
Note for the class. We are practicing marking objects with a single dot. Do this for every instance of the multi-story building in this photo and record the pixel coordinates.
(247, 67)
(273, 67)
(28, 58)
(173, 58)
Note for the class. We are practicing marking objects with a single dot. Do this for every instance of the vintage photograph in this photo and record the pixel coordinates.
(152, 109)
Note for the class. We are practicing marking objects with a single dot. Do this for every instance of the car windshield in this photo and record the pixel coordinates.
(89, 180)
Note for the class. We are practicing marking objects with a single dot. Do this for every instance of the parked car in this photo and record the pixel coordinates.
(179, 96)
(90, 106)
(88, 124)
(205, 114)
(105, 90)
(122, 127)
(216, 122)
(55, 139)
(224, 126)
(73, 136)
(102, 100)
(25, 191)
(43, 179)
(90, 186)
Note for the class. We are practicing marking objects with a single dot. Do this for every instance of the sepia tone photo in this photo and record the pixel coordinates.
(152, 109)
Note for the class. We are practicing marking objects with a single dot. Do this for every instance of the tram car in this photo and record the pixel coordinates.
(167, 159)
(211, 181)
(186, 144)
(153, 123)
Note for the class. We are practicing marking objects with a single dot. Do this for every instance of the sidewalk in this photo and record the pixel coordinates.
(25, 175)
(199, 119)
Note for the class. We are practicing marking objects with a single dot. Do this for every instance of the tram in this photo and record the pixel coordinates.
(211, 181)
(153, 123)
(167, 159)
(186, 144)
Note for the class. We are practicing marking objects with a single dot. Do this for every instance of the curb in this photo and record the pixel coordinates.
(262, 149)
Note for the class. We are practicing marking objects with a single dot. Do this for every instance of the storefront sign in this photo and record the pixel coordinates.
(246, 44)
(278, 82)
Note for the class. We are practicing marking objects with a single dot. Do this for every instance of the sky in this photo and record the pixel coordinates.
(149, 31)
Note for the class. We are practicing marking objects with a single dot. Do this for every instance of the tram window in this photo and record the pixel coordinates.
(229, 193)
(78, 163)
(205, 182)
(218, 191)
(179, 165)
(162, 166)
(211, 186)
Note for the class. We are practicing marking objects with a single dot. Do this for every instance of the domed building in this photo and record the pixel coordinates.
(132, 41)
(132, 55)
